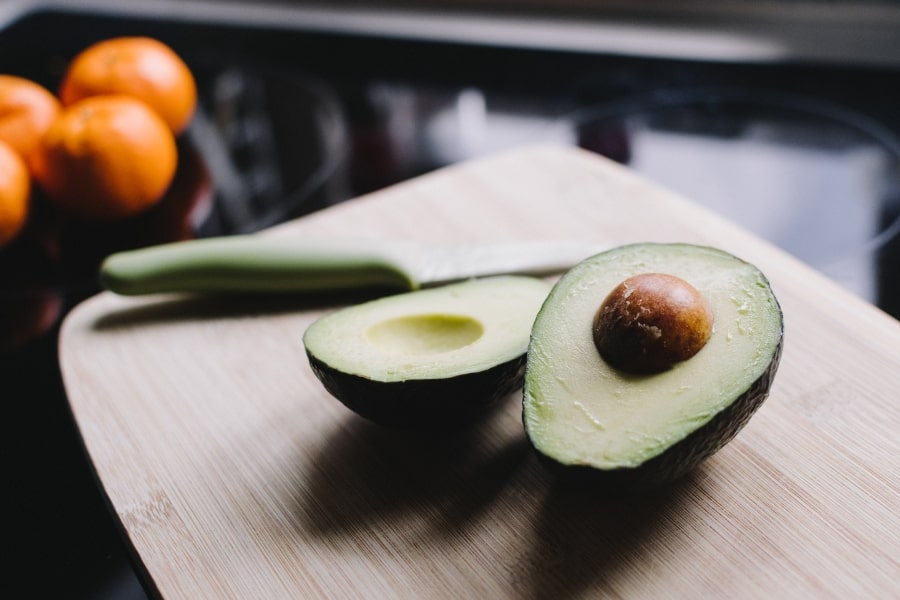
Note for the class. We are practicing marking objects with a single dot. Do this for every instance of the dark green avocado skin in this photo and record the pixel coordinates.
(425, 403)
(682, 457)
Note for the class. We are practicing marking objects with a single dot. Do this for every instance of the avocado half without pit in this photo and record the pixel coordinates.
(647, 359)
(434, 358)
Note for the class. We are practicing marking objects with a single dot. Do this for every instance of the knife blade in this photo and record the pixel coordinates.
(262, 263)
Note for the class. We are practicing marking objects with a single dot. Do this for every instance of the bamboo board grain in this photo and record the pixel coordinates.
(235, 475)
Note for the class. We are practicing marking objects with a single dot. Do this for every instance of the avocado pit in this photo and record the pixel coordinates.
(650, 322)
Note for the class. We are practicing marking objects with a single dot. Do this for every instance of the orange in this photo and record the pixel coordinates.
(15, 188)
(106, 158)
(138, 66)
(26, 111)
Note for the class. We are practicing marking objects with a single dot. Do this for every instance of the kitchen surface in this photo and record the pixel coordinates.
(302, 109)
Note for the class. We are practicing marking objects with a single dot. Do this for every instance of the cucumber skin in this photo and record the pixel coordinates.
(433, 404)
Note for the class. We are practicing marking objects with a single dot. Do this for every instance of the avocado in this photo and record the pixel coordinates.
(645, 360)
(432, 358)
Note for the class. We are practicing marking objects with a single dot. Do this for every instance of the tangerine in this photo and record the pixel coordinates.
(106, 158)
(142, 67)
(15, 192)
(26, 111)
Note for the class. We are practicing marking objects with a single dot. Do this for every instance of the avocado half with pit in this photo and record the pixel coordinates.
(647, 359)
(436, 358)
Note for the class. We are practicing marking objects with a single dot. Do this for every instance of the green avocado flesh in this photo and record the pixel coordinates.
(438, 355)
(579, 411)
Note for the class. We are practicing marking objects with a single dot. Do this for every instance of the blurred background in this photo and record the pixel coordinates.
(781, 115)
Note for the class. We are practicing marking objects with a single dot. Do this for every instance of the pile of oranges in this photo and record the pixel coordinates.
(104, 147)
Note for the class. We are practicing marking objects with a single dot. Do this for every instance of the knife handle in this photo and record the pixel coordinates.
(250, 263)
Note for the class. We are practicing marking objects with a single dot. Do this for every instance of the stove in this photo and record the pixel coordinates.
(295, 116)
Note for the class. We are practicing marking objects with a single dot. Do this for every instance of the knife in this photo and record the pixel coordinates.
(266, 263)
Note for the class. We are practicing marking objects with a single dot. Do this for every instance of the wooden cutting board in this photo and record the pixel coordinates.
(235, 475)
